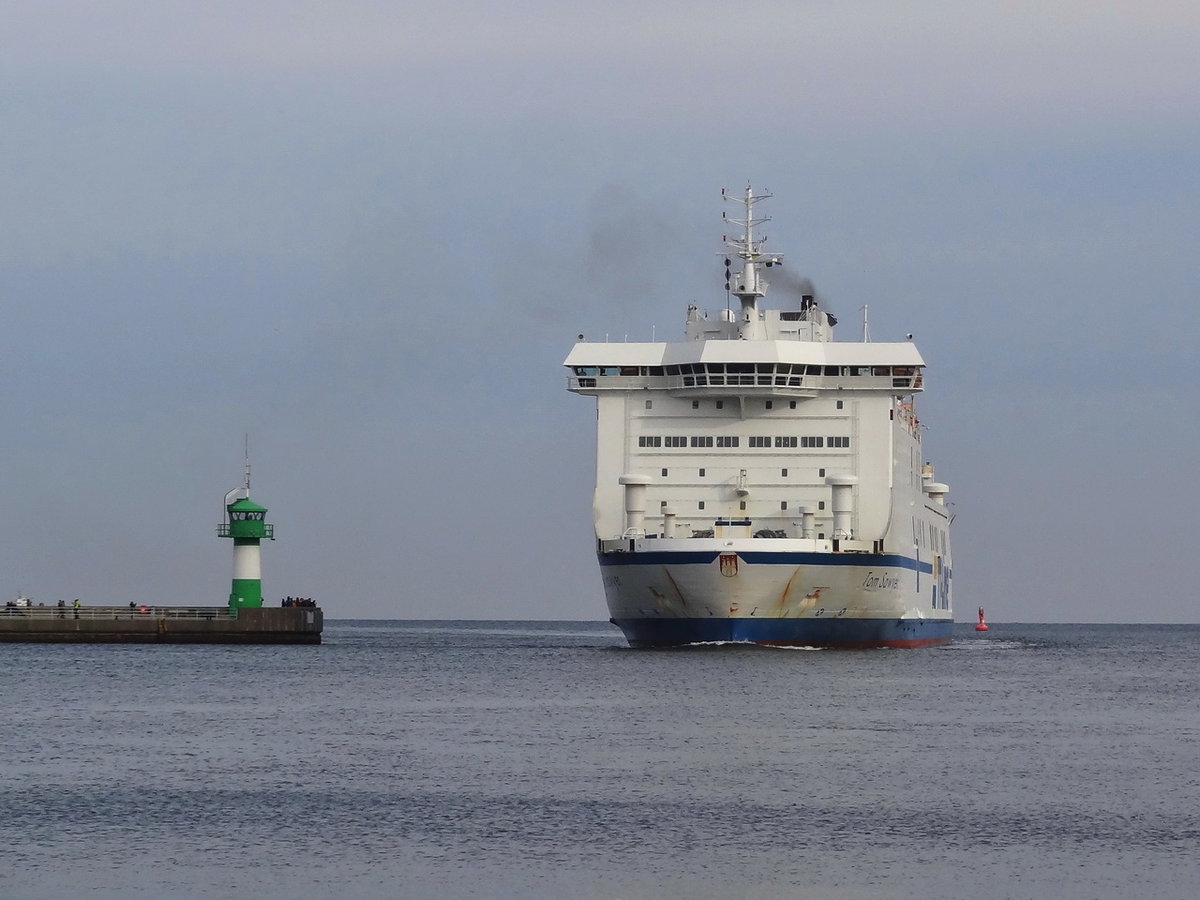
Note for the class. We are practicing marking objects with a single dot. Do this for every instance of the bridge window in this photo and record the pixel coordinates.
(727, 440)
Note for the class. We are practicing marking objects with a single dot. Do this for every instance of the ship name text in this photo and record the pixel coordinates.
(880, 581)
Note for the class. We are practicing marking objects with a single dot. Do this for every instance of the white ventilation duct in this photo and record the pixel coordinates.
(842, 505)
(635, 504)
(668, 522)
(808, 520)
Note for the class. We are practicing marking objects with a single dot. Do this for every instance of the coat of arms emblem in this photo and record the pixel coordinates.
(728, 564)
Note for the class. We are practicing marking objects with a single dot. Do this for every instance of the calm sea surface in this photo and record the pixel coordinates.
(545, 759)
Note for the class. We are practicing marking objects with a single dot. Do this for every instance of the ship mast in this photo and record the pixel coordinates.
(748, 285)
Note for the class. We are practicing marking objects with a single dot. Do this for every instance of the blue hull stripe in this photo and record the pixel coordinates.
(813, 632)
(765, 558)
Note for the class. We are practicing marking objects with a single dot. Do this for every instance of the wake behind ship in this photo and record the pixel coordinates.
(760, 482)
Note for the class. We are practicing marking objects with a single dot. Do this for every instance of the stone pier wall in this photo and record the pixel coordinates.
(170, 625)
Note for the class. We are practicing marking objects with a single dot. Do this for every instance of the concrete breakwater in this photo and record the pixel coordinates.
(161, 625)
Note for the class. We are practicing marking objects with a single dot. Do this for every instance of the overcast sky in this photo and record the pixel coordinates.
(367, 233)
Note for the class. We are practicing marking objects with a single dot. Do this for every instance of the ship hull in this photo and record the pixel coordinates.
(663, 599)
(847, 634)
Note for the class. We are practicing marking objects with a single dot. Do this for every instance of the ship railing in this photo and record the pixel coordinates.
(140, 611)
(752, 383)
(706, 539)
(268, 529)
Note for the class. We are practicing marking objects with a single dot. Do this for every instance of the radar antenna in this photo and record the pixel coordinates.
(748, 285)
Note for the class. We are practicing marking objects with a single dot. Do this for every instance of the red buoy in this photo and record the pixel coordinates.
(982, 626)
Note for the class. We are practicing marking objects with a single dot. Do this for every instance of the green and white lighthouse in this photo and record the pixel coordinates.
(246, 524)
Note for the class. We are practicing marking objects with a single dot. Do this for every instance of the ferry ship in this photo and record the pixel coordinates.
(760, 482)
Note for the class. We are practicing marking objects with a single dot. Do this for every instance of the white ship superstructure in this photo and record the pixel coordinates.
(758, 481)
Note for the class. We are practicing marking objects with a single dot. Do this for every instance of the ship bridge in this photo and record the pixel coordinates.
(745, 368)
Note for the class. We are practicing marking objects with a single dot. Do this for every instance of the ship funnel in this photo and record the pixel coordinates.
(635, 504)
(843, 505)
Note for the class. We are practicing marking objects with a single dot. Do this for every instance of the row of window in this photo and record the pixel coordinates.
(783, 369)
(768, 404)
(783, 473)
(789, 441)
(783, 504)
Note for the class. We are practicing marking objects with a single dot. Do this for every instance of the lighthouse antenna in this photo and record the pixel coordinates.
(243, 492)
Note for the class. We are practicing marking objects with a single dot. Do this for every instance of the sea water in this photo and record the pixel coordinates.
(546, 759)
